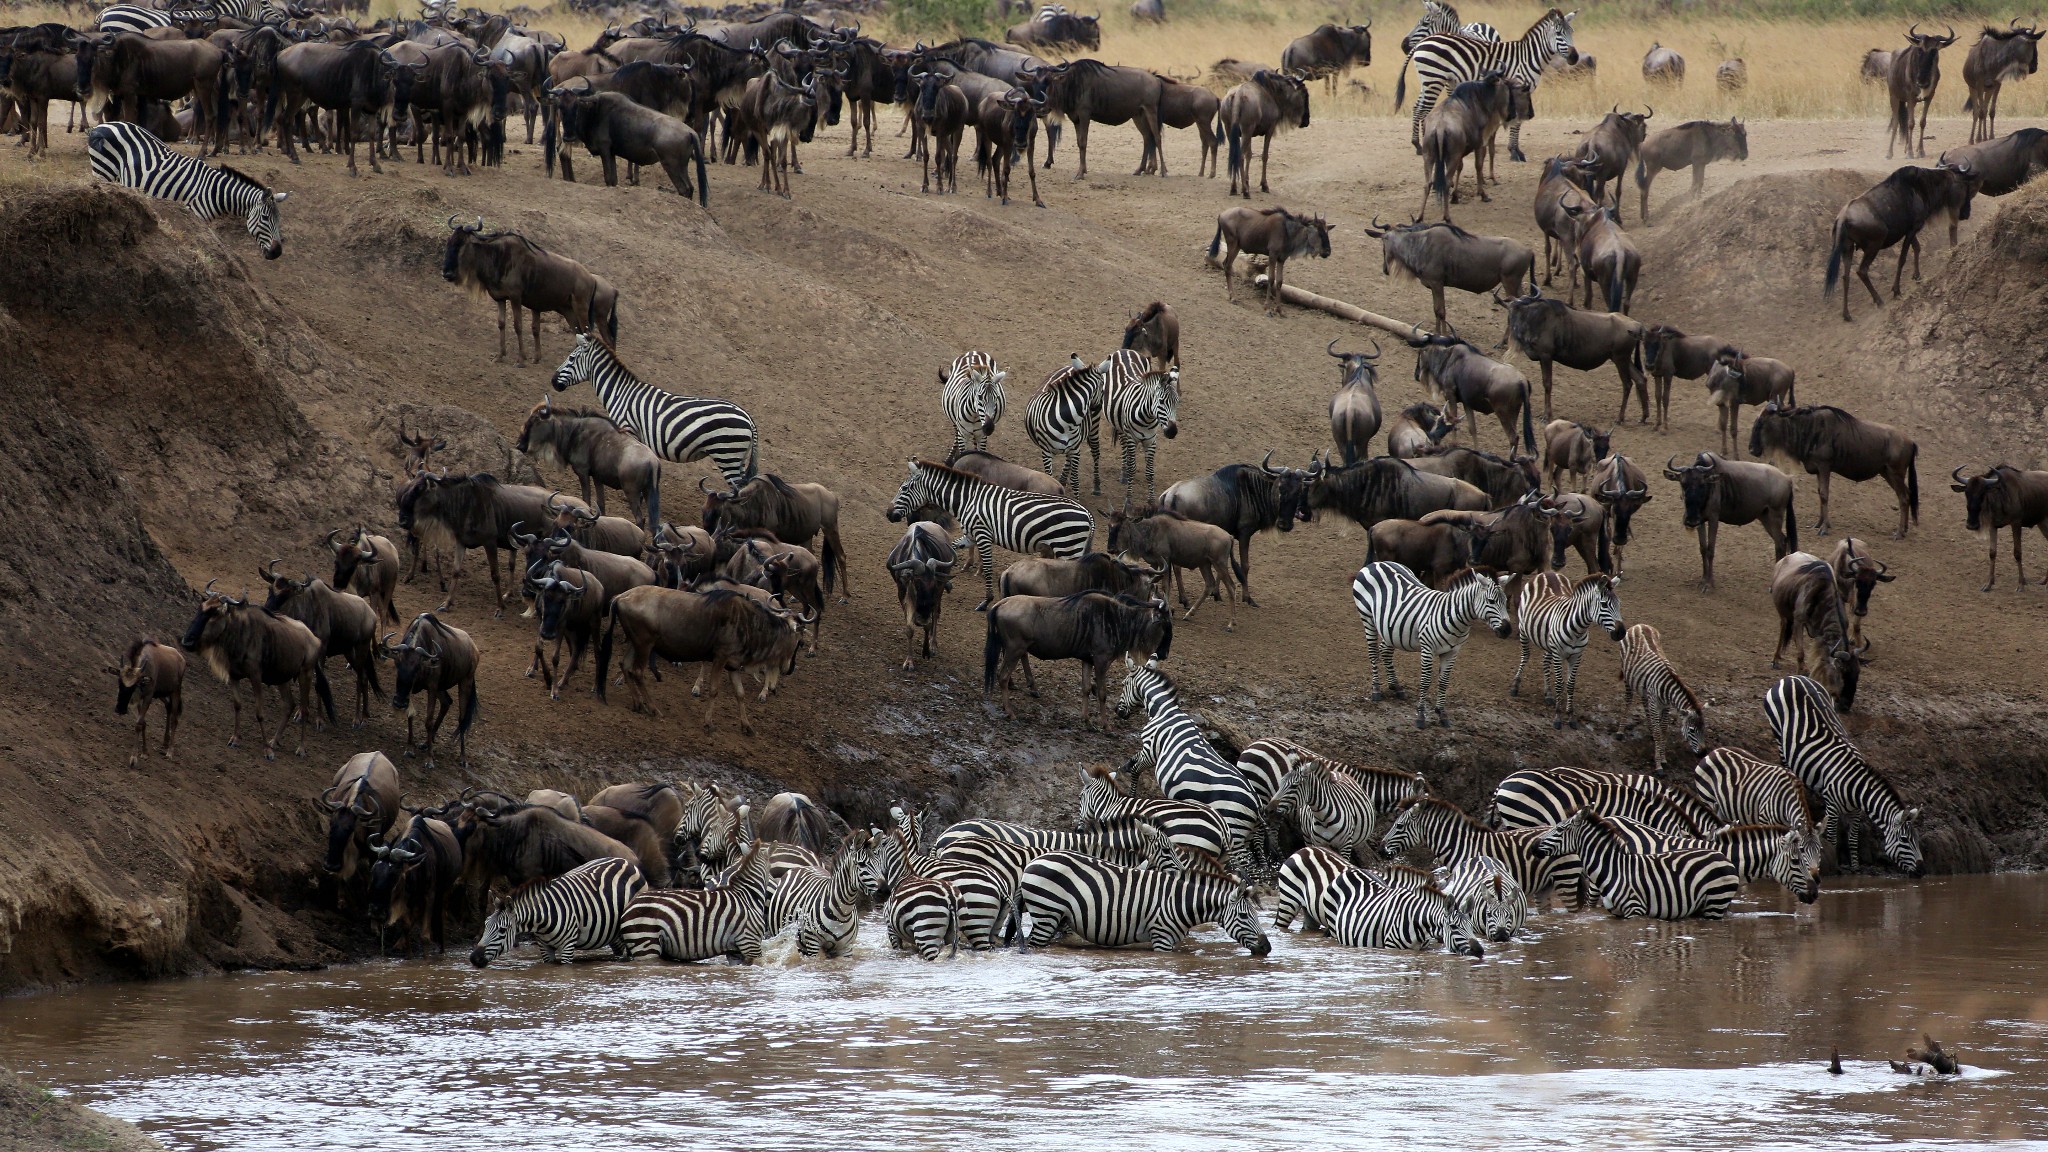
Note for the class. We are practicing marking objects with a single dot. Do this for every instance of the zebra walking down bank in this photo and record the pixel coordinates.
(579, 911)
(971, 392)
(1065, 411)
(679, 428)
(1401, 613)
(1442, 62)
(1186, 766)
(994, 516)
(131, 156)
(1111, 907)
(1646, 673)
(1813, 744)
(1139, 404)
(1559, 620)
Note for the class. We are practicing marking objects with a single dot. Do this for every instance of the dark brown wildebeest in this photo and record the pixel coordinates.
(1384, 488)
(682, 555)
(2002, 165)
(1416, 430)
(1569, 446)
(511, 269)
(345, 623)
(457, 513)
(1719, 491)
(1092, 627)
(1894, 212)
(943, 109)
(2000, 55)
(570, 603)
(649, 847)
(457, 91)
(1564, 184)
(1264, 106)
(1093, 572)
(787, 572)
(1461, 125)
(1827, 441)
(599, 453)
(1243, 500)
(437, 662)
(352, 80)
(124, 74)
(1551, 331)
(1057, 30)
(997, 470)
(1915, 74)
(1274, 233)
(418, 450)
(1876, 66)
(1005, 127)
(239, 642)
(1355, 409)
(413, 880)
(659, 804)
(503, 839)
(1442, 255)
(1515, 540)
(39, 69)
(1091, 92)
(1460, 375)
(367, 565)
(1186, 105)
(1753, 380)
(1156, 333)
(1171, 542)
(728, 630)
(1580, 523)
(1857, 575)
(616, 571)
(1693, 144)
(1808, 601)
(1609, 258)
(611, 127)
(868, 80)
(361, 804)
(1663, 66)
(796, 513)
(922, 565)
(2003, 496)
(1503, 481)
(148, 673)
(773, 116)
(1620, 488)
(1328, 53)
(1669, 353)
(1434, 548)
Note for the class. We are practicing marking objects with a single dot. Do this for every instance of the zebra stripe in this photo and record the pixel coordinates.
(823, 903)
(1813, 744)
(709, 821)
(1451, 837)
(1446, 60)
(1066, 410)
(1195, 829)
(1487, 892)
(1439, 19)
(1048, 11)
(1666, 885)
(1182, 760)
(1645, 672)
(923, 916)
(1264, 764)
(1366, 914)
(1401, 613)
(1331, 810)
(578, 911)
(679, 428)
(698, 924)
(1128, 842)
(1139, 403)
(138, 19)
(1302, 883)
(131, 156)
(1790, 856)
(1541, 797)
(971, 392)
(1559, 619)
(987, 894)
(994, 516)
(1112, 907)
(1745, 790)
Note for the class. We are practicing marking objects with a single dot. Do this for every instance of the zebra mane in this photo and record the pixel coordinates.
(1439, 802)
(1693, 699)
(244, 177)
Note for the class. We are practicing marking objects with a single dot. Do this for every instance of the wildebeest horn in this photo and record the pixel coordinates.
(1332, 350)
(269, 571)
(554, 503)
(452, 227)
(1911, 33)
(1375, 350)
(703, 485)
(1648, 112)
(1615, 109)
(208, 590)
(332, 535)
(1266, 465)
(1957, 475)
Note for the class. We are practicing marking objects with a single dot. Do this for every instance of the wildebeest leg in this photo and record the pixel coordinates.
(1081, 145)
(1707, 533)
(1436, 299)
(174, 709)
(1546, 395)
(1265, 155)
(235, 700)
(1784, 638)
(1822, 526)
(534, 325)
(1642, 389)
(1276, 278)
(1244, 556)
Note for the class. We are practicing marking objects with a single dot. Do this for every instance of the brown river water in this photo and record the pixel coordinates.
(1586, 1033)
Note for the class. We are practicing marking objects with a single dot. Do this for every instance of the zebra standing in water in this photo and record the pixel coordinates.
(1066, 410)
(1128, 841)
(1195, 829)
(685, 924)
(1439, 19)
(1444, 61)
(980, 877)
(581, 910)
(993, 516)
(1303, 883)
(1669, 885)
(1139, 404)
(971, 391)
(1813, 744)
(1488, 893)
(1187, 768)
(1266, 763)
(1401, 613)
(679, 428)
(131, 156)
(1451, 837)
(1540, 797)
(1745, 790)
(1559, 619)
(823, 902)
(1331, 810)
(1364, 913)
(1111, 907)
(1646, 673)
(923, 916)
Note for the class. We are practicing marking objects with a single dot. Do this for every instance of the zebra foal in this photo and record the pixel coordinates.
(1140, 404)
(1646, 673)
(1559, 619)
(131, 156)
(1112, 907)
(1814, 745)
(580, 910)
(971, 392)
(1401, 613)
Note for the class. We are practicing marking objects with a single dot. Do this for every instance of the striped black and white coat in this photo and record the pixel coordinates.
(1444, 61)
(686, 924)
(980, 874)
(1128, 841)
(137, 18)
(1669, 885)
(1791, 856)
(1328, 808)
(579, 911)
(131, 156)
(1540, 797)
(1304, 879)
(1743, 789)
(679, 428)
(1558, 619)
(1646, 673)
(1264, 764)
(1195, 830)
(993, 516)
(1182, 760)
(1064, 412)
(1488, 893)
(923, 916)
(823, 902)
(1814, 745)
(1401, 613)
(1139, 403)
(1450, 837)
(1439, 18)
(1364, 913)
(1110, 907)
(709, 821)
(971, 392)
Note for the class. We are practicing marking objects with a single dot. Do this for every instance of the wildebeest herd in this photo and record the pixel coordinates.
(1176, 837)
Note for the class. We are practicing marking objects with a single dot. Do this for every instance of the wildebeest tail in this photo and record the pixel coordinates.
(654, 497)
(703, 183)
(1235, 137)
(1528, 426)
(1216, 241)
(831, 562)
(991, 654)
(1237, 567)
(1642, 174)
(326, 692)
(468, 712)
(222, 89)
(1913, 484)
(1436, 164)
(549, 138)
(1614, 286)
(1605, 556)
(1791, 526)
(1834, 264)
(604, 648)
(1371, 554)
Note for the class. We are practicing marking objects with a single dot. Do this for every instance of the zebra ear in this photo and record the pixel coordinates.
(279, 196)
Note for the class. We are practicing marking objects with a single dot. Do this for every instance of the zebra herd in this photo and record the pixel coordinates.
(1138, 397)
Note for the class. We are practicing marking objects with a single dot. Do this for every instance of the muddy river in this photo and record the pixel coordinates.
(1588, 1032)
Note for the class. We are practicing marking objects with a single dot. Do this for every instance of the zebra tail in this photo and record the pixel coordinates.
(1913, 484)
(604, 649)
(1013, 920)
(753, 453)
(991, 654)
(1528, 425)
(1216, 241)
(1834, 264)
(1401, 84)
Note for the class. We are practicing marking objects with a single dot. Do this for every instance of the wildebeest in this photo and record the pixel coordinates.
(358, 79)
(1355, 409)
(943, 110)
(459, 91)
(1669, 353)
(361, 803)
(436, 662)
(503, 839)
(1057, 29)
(1732, 75)
(2000, 55)
(1894, 212)
(1329, 53)
(2002, 165)
(1243, 500)
(1274, 233)
(1172, 542)
(1857, 575)
(611, 534)
(1694, 144)
(1460, 375)
(1186, 105)
(570, 603)
(1620, 487)
(599, 453)
(1826, 441)
(796, 513)
(611, 127)
(1093, 572)
(1092, 627)
(1551, 331)
(1149, 10)
(1564, 184)
(1515, 540)
(1663, 66)
(997, 470)
(1434, 548)
(1091, 92)
(1503, 481)
(345, 623)
(1737, 380)
(1580, 524)
(650, 847)
(125, 73)
(1915, 74)
(1385, 488)
(1416, 429)
(1569, 446)
(240, 642)
(1809, 603)
(1005, 127)
(2003, 496)
(413, 880)
(725, 629)
(1264, 106)
(1719, 491)
(1156, 333)
(922, 565)
(148, 673)
(1608, 148)
(1442, 255)
(616, 571)
(511, 269)
(1459, 126)
(787, 572)
(367, 565)
(457, 513)
(1876, 66)
(39, 69)
(1609, 258)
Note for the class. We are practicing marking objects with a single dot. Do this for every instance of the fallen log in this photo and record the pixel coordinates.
(1342, 310)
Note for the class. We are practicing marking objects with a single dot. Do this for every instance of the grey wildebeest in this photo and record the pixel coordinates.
(1876, 66)
(148, 673)
(511, 269)
(1186, 105)
(2000, 55)
(614, 571)
(1894, 212)
(1442, 255)
(1620, 488)
(1385, 488)
(942, 110)
(1663, 66)
(1669, 353)
(1416, 430)
(2003, 496)
(1857, 575)
(457, 513)
(351, 80)
(1461, 124)
(413, 880)
(240, 642)
(1243, 500)
(1355, 409)
(2002, 165)
(1093, 572)
(1569, 446)
(1329, 53)
(1503, 481)
(611, 127)
(437, 663)
(1005, 127)
(1091, 92)
(367, 565)
(1609, 147)
(614, 534)
(1434, 548)
(599, 453)
(1827, 441)
(39, 69)
(1563, 184)
(1693, 144)
(570, 603)
(1753, 380)
(1915, 74)
(1156, 333)
(1551, 331)
(503, 839)
(345, 623)
(922, 564)
(457, 91)
(1274, 233)
(723, 629)
(362, 803)
(1460, 375)
(124, 74)
(1149, 10)
(1264, 106)
(1057, 29)
(1580, 523)
(997, 470)
(1091, 627)
(1719, 491)
(787, 572)
(796, 513)
(1171, 543)
(1810, 605)
(1609, 258)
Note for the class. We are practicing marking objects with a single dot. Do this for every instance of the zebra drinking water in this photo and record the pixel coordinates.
(579, 911)
(679, 428)
(685, 924)
(1367, 914)
(131, 156)
(1451, 837)
(1671, 885)
(1813, 744)
(1745, 790)
(1111, 907)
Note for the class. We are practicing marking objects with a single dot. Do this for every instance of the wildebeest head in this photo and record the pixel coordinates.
(929, 82)
(1357, 367)
(1698, 481)
(350, 553)
(554, 596)
(460, 236)
(215, 610)
(1289, 488)
(416, 661)
(1620, 500)
(1994, 490)
(347, 806)
(1561, 522)
(282, 587)
(418, 449)
(1928, 59)
(1290, 95)
(1865, 572)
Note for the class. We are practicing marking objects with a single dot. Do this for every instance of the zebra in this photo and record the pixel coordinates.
(1330, 808)
(1444, 61)
(131, 156)
(1048, 11)
(1111, 907)
(1439, 19)
(580, 910)
(679, 428)
(1745, 790)
(1813, 744)
(980, 873)
(1451, 836)
(1559, 619)
(1129, 841)
(992, 516)
(1402, 613)
(1182, 760)
(1196, 830)
(823, 902)
(971, 391)
(1669, 885)
(1066, 410)
(1488, 893)
(1139, 403)
(1367, 914)
(697, 924)
(1646, 673)
(1302, 883)
(1780, 852)
(1540, 797)
(1264, 764)
(923, 916)
(138, 19)
(708, 821)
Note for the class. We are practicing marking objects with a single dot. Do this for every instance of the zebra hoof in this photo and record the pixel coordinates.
(1559, 724)
(1443, 721)
(1377, 697)
(1422, 721)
